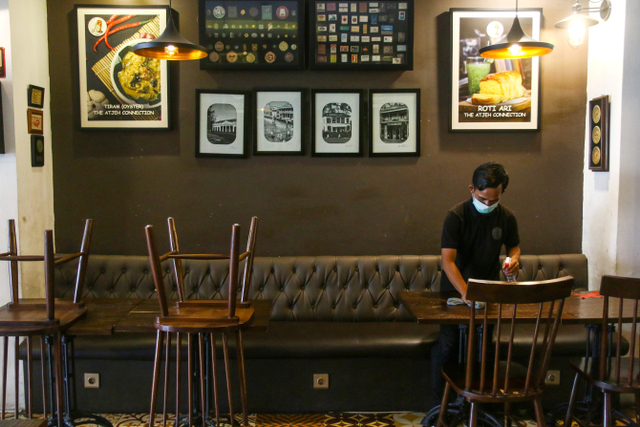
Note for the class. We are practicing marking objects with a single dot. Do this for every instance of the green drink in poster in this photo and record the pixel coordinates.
(477, 69)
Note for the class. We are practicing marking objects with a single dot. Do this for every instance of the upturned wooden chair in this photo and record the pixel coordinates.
(610, 372)
(200, 318)
(33, 317)
(496, 378)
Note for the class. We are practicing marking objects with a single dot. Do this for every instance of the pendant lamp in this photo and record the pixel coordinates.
(516, 44)
(579, 21)
(170, 45)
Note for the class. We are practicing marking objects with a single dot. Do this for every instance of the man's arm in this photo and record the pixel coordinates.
(513, 268)
(452, 271)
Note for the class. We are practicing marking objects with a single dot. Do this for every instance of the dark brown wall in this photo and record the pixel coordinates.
(317, 206)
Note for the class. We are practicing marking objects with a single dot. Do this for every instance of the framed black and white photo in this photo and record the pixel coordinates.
(337, 122)
(395, 122)
(222, 123)
(279, 122)
(252, 35)
(486, 94)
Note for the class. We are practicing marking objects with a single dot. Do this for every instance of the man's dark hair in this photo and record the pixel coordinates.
(490, 175)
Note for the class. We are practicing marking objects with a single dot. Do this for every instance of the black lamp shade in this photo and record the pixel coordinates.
(171, 46)
(516, 44)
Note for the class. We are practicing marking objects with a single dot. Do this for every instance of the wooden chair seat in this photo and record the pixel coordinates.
(30, 322)
(205, 320)
(456, 377)
(589, 369)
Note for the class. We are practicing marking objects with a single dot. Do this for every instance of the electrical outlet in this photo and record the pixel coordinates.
(553, 378)
(321, 381)
(91, 380)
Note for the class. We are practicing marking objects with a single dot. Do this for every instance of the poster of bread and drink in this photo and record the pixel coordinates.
(492, 94)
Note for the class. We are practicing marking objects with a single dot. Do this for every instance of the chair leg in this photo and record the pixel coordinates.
(16, 365)
(178, 359)
(540, 419)
(190, 374)
(243, 379)
(202, 394)
(473, 418)
(443, 405)
(507, 414)
(5, 356)
(214, 377)
(156, 374)
(607, 419)
(167, 364)
(28, 384)
(568, 419)
(43, 366)
(227, 370)
(59, 379)
(637, 408)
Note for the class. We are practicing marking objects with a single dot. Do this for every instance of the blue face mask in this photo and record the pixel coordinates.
(482, 208)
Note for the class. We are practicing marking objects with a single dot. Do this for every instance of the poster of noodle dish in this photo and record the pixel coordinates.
(492, 94)
(119, 89)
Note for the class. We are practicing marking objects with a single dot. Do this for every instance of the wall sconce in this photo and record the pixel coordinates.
(579, 21)
(516, 44)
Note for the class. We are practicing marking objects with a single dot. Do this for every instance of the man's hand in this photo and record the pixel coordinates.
(512, 269)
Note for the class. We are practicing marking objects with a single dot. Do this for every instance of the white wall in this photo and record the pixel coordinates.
(602, 189)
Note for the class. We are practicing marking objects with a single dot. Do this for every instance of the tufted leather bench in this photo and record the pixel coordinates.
(336, 315)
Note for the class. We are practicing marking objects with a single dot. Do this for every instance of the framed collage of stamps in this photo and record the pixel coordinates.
(252, 35)
(361, 35)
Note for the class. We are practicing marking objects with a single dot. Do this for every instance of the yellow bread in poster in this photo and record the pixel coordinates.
(499, 87)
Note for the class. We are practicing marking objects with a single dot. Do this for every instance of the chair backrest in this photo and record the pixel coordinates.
(13, 257)
(155, 259)
(624, 288)
(248, 256)
(544, 300)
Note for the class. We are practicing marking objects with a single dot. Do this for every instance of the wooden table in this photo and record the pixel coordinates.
(431, 307)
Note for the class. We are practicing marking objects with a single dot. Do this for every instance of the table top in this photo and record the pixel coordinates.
(106, 316)
(431, 307)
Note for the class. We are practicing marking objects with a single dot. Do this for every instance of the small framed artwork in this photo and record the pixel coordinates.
(222, 123)
(117, 88)
(37, 151)
(486, 94)
(35, 96)
(3, 71)
(599, 120)
(252, 35)
(356, 35)
(279, 122)
(395, 122)
(337, 122)
(34, 121)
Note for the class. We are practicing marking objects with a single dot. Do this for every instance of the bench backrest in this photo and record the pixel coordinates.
(324, 288)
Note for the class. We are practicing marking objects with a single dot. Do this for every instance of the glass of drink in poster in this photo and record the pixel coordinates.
(477, 69)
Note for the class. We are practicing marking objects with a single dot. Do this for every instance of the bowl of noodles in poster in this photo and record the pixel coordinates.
(136, 79)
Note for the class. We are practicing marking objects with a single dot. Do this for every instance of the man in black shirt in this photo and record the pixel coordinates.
(473, 234)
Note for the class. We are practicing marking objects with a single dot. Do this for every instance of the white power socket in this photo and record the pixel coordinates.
(553, 378)
(91, 380)
(320, 381)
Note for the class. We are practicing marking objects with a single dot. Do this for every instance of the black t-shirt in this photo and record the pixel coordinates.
(478, 239)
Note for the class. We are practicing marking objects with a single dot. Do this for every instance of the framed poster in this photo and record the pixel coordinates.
(279, 121)
(35, 96)
(34, 121)
(395, 122)
(252, 35)
(356, 35)
(337, 122)
(599, 120)
(486, 94)
(222, 123)
(119, 89)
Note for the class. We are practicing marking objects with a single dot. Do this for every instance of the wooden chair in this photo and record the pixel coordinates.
(200, 318)
(33, 317)
(611, 372)
(496, 379)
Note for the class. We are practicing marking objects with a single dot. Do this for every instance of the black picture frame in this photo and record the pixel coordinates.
(599, 128)
(214, 126)
(349, 107)
(521, 114)
(104, 102)
(394, 123)
(280, 121)
(35, 96)
(357, 35)
(37, 151)
(274, 41)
